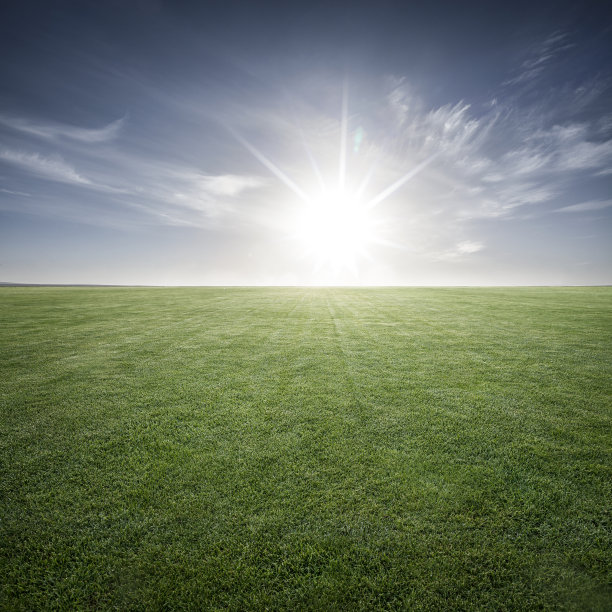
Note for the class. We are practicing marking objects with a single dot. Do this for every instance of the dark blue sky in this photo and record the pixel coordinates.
(178, 142)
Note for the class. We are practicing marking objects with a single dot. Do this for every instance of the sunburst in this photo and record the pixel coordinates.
(335, 227)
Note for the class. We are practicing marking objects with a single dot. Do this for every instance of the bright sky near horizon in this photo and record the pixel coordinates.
(266, 143)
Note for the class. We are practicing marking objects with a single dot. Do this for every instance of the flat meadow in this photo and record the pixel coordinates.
(305, 448)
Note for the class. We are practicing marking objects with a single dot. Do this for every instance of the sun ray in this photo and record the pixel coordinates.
(383, 195)
(269, 164)
(312, 160)
(343, 137)
(366, 180)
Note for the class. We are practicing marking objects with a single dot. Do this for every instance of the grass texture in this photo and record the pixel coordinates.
(305, 449)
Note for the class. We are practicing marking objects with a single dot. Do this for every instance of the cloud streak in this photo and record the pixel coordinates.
(228, 185)
(177, 195)
(17, 193)
(540, 57)
(58, 131)
(52, 168)
(592, 205)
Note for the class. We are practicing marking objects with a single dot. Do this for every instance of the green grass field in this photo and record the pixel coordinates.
(420, 449)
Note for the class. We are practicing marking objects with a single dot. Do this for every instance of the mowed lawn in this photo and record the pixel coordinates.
(305, 448)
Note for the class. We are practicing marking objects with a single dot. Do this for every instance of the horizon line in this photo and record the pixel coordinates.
(298, 286)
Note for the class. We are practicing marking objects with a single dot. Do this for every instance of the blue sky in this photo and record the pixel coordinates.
(417, 143)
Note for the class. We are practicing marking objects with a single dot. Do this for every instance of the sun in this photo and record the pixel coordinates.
(335, 229)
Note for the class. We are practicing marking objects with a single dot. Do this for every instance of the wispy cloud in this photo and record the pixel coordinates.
(55, 131)
(501, 158)
(177, 195)
(468, 246)
(569, 147)
(17, 193)
(228, 185)
(586, 206)
(460, 250)
(540, 56)
(52, 168)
